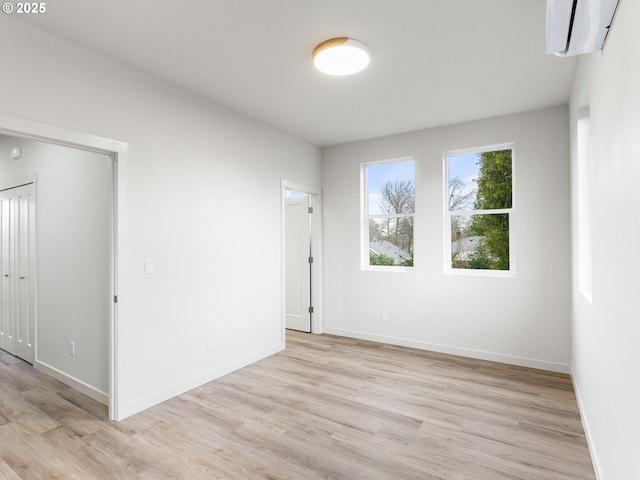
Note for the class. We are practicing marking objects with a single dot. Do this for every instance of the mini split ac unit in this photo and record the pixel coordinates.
(575, 27)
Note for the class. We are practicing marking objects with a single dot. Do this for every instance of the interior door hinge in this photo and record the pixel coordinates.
(310, 209)
(310, 309)
(115, 299)
(310, 259)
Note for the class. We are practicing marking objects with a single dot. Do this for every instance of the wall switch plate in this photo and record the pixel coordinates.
(383, 316)
(149, 266)
(210, 345)
(72, 349)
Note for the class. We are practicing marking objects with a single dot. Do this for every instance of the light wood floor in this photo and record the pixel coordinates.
(326, 408)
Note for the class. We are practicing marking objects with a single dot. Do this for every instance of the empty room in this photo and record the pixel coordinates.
(225, 256)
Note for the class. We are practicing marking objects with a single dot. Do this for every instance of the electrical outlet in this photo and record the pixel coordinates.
(383, 316)
(72, 349)
(149, 266)
(210, 345)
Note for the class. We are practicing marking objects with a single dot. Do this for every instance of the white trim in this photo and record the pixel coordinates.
(300, 187)
(453, 350)
(408, 158)
(389, 216)
(364, 219)
(595, 460)
(18, 182)
(491, 211)
(26, 128)
(482, 149)
(389, 268)
(583, 204)
(195, 382)
(117, 281)
(488, 273)
(72, 382)
(317, 273)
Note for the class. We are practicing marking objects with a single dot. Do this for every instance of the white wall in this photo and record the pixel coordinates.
(203, 193)
(72, 250)
(522, 320)
(606, 333)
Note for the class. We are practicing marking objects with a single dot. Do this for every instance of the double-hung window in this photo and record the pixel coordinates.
(388, 204)
(479, 211)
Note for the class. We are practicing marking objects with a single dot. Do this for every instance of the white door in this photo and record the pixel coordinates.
(7, 334)
(17, 265)
(297, 245)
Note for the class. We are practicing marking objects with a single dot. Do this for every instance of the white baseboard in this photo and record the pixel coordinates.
(587, 431)
(72, 382)
(464, 352)
(159, 397)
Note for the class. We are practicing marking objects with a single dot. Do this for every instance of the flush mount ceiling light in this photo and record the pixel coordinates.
(341, 56)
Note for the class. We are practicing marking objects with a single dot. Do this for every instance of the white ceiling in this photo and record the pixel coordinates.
(434, 62)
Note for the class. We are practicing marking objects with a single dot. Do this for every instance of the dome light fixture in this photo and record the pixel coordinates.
(341, 56)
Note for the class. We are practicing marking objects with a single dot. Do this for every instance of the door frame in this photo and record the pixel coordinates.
(117, 151)
(315, 201)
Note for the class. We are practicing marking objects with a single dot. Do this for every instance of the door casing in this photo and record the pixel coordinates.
(315, 201)
(117, 151)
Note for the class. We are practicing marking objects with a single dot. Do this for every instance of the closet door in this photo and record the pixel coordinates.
(17, 259)
(7, 331)
(24, 268)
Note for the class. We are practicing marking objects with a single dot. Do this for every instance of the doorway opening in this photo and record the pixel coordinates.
(114, 154)
(298, 261)
(301, 258)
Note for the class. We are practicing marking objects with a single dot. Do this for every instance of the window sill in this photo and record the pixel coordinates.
(467, 272)
(382, 268)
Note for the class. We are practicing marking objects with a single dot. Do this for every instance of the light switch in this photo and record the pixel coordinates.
(149, 266)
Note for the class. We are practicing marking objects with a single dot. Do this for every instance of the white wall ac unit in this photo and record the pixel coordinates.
(575, 27)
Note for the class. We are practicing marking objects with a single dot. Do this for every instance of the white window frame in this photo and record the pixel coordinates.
(448, 269)
(365, 217)
(584, 206)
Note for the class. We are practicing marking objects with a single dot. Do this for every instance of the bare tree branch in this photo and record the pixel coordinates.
(397, 197)
(459, 199)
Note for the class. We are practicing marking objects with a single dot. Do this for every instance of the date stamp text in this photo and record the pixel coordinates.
(24, 8)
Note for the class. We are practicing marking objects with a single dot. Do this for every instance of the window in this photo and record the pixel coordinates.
(479, 211)
(584, 207)
(388, 209)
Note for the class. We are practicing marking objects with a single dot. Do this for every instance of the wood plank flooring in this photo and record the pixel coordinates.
(326, 408)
